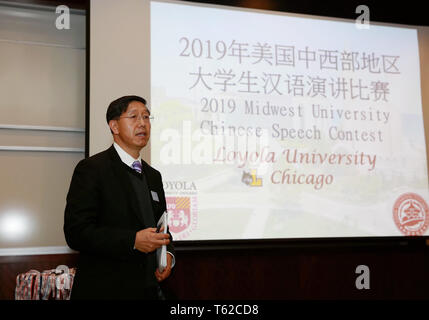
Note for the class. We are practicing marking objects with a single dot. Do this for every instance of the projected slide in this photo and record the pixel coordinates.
(273, 126)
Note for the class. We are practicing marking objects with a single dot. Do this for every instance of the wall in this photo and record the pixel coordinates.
(42, 135)
(396, 272)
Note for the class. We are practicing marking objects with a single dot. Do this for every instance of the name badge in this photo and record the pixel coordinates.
(154, 196)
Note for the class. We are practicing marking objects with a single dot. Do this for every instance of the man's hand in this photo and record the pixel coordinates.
(160, 276)
(148, 240)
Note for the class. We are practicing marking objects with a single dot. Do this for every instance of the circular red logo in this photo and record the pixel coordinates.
(411, 214)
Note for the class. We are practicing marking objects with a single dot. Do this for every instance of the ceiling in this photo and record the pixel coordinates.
(411, 12)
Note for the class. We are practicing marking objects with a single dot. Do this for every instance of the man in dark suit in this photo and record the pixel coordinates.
(113, 204)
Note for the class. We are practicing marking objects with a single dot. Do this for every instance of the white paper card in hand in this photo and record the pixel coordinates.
(161, 253)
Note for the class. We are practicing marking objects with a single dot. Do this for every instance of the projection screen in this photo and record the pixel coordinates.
(268, 125)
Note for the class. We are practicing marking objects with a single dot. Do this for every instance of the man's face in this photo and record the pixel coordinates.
(132, 131)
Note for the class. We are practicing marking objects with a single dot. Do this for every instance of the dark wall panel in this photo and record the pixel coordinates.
(275, 274)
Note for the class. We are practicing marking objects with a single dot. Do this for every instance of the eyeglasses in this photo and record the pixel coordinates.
(135, 118)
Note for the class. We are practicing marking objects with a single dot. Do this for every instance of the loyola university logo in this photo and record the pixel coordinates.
(181, 198)
(180, 217)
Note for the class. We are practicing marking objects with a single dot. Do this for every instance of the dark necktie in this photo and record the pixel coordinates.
(137, 166)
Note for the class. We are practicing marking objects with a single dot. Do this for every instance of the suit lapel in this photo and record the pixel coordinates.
(124, 182)
(148, 179)
(152, 186)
